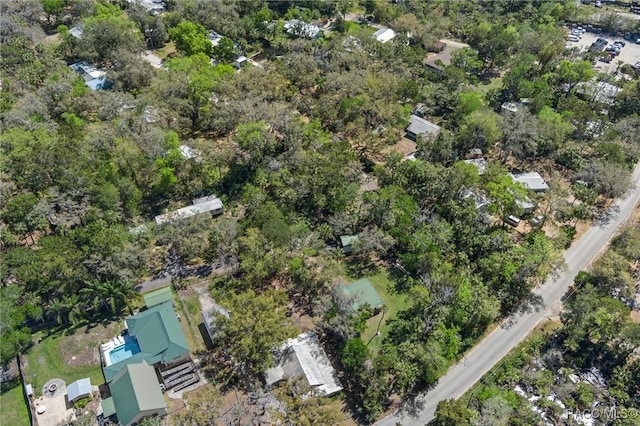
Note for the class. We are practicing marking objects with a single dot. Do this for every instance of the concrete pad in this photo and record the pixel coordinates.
(58, 410)
(154, 60)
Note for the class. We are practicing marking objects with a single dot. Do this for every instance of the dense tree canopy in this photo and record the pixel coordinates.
(303, 146)
(191, 38)
(255, 325)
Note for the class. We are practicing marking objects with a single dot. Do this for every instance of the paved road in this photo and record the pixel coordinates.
(495, 346)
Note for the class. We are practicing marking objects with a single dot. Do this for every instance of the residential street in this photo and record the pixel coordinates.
(494, 347)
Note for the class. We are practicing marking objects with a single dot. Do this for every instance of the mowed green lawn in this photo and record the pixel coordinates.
(45, 362)
(69, 355)
(13, 409)
(191, 317)
(393, 301)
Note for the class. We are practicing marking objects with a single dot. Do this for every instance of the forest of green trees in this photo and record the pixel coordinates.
(287, 145)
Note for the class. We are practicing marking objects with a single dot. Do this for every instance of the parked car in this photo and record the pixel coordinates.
(620, 44)
(512, 220)
(598, 3)
(537, 221)
(573, 38)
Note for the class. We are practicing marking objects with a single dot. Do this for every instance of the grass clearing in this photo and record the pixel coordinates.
(166, 50)
(13, 409)
(45, 361)
(191, 316)
(393, 301)
(69, 355)
(483, 88)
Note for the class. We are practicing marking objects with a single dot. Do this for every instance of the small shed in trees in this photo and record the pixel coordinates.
(346, 241)
(211, 204)
(526, 205)
(240, 61)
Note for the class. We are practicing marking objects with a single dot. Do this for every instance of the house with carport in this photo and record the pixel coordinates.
(151, 356)
(135, 395)
(304, 356)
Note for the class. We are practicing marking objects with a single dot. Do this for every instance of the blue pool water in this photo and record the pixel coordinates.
(123, 352)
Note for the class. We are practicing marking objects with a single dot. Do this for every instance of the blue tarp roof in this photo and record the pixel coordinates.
(79, 389)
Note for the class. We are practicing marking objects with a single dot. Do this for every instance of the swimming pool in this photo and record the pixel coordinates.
(123, 352)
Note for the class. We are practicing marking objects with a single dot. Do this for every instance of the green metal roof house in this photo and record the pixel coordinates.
(159, 333)
(159, 337)
(158, 296)
(136, 394)
(112, 370)
(360, 293)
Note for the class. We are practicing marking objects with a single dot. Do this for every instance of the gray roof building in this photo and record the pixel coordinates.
(480, 200)
(384, 35)
(79, 389)
(154, 7)
(299, 28)
(94, 78)
(599, 91)
(531, 180)
(419, 126)
(76, 32)
(188, 152)
(206, 204)
(442, 59)
(304, 356)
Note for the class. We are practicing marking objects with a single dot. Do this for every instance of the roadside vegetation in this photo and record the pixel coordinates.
(299, 146)
(587, 362)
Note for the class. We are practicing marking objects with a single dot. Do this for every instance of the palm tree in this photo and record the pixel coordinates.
(34, 303)
(57, 309)
(96, 293)
(119, 293)
(75, 310)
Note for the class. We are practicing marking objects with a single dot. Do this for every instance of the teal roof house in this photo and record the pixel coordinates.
(154, 335)
(136, 394)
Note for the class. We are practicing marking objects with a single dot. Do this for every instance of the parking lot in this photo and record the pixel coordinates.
(628, 54)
